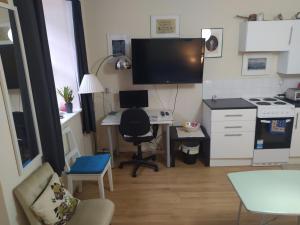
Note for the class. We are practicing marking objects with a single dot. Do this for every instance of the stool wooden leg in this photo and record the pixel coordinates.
(110, 178)
(101, 187)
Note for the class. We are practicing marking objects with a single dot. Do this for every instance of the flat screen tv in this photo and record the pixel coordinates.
(167, 61)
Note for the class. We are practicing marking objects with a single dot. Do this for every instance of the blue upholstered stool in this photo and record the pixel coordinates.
(92, 164)
(91, 167)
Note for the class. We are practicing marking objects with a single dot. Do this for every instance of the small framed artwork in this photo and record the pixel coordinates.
(255, 64)
(165, 26)
(213, 42)
(118, 44)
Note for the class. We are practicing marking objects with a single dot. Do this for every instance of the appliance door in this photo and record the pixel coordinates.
(273, 133)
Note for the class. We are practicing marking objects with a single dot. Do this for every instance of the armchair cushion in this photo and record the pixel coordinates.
(55, 205)
(90, 164)
(93, 212)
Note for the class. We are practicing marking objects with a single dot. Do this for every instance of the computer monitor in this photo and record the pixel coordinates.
(133, 99)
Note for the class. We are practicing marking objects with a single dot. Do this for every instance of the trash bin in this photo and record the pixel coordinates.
(190, 152)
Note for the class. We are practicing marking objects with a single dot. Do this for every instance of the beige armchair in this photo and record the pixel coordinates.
(91, 212)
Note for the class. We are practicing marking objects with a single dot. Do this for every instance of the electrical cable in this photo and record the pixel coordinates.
(103, 103)
(174, 107)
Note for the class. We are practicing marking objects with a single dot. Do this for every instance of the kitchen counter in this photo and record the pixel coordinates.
(228, 103)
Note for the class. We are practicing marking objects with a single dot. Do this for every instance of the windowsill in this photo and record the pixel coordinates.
(69, 116)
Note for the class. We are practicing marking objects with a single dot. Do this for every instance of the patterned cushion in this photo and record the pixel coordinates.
(55, 205)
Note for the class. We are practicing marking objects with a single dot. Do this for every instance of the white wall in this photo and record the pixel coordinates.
(58, 17)
(3, 211)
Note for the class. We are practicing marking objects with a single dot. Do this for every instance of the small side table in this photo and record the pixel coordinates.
(203, 141)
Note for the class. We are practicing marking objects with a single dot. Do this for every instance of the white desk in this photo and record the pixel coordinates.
(271, 192)
(113, 121)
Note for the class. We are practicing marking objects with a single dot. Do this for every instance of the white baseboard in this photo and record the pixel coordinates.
(230, 162)
(294, 160)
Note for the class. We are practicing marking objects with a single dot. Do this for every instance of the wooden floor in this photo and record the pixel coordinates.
(184, 195)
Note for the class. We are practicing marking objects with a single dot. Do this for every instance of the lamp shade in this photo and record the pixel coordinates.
(90, 84)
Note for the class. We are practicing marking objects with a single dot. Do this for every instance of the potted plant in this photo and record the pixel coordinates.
(67, 94)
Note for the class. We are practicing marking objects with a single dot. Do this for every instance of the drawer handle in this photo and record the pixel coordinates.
(233, 127)
(234, 115)
(233, 135)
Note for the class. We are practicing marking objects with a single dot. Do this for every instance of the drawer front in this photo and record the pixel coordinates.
(234, 115)
(232, 145)
(233, 126)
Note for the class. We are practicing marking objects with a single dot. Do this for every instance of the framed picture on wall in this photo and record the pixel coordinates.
(165, 26)
(118, 44)
(255, 64)
(213, 42)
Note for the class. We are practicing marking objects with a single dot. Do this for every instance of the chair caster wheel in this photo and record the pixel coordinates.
(156, 169)
(134, 175)
(120, 166)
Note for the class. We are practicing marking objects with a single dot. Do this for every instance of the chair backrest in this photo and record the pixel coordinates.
(31, 188)
(134, 122)
(72, 144)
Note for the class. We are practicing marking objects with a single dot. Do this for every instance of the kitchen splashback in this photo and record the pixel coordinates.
(236, 88)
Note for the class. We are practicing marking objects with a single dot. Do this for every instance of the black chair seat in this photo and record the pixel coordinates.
(140, 139)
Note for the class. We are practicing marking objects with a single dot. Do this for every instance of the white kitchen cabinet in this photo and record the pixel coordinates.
(232, 145)
(265, 36)
(232, 134)
(288, 62)
(295, 145)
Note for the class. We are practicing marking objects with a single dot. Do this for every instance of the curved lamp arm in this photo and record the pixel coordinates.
(123, 62)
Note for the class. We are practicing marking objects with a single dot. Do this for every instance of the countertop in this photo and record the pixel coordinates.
(228, 103)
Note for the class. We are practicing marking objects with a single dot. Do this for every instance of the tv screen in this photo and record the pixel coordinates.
(167, 61)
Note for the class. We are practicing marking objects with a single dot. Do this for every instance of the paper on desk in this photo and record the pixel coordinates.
(181, 133)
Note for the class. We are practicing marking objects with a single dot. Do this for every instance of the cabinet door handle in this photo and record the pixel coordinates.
(234, 115)
(233, 135)
(297, 118)
(233, 127)
(265, 121)
(291, 34)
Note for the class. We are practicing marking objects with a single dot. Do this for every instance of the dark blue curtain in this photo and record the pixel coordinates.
(87, 104)
(42, 81)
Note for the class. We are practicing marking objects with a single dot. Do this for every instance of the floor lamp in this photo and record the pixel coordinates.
(90, 84)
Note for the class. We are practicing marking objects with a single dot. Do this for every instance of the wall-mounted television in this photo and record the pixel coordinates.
(167, 61)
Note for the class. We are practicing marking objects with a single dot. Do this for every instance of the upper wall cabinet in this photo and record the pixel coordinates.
(274, 36)
(288, 62)
(265, 36)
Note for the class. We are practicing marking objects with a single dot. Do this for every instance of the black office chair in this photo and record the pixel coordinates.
(135, 128)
